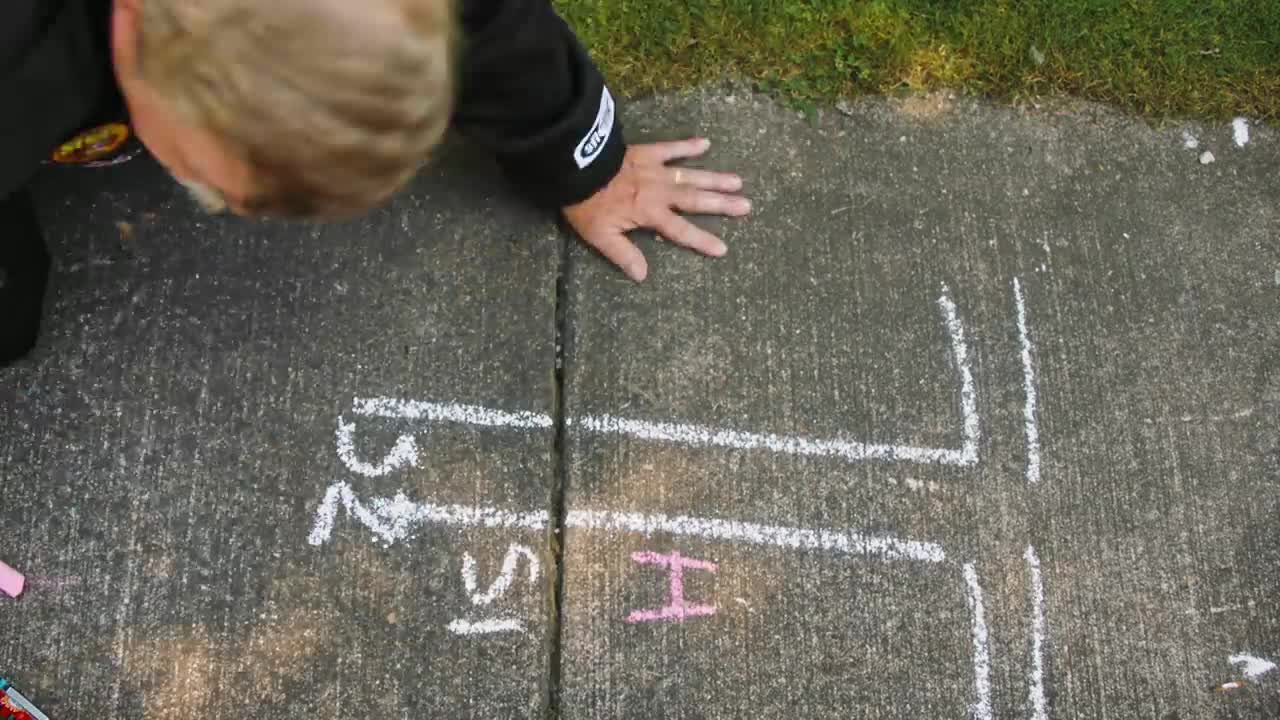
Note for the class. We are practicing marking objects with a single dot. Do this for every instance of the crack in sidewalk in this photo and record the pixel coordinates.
(552, 710)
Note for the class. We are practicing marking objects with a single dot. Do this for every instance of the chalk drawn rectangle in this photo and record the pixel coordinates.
(405, 452)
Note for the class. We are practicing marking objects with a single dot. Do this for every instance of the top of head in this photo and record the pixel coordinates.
(334, 105)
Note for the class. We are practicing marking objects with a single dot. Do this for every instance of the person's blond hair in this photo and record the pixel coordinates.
(334, 104)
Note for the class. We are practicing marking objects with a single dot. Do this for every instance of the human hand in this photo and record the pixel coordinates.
(644, 194)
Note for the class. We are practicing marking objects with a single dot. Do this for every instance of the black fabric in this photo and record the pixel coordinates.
(529, 91)
(24, 275)
(55, 88)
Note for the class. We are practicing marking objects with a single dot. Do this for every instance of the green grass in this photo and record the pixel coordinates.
(1208, 59)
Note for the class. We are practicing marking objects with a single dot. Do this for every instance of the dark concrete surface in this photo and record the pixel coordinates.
(189, 462)
(166, 449)
(1152, 306)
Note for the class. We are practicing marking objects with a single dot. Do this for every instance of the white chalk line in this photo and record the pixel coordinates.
(405, 451)
(485, 627)
(971, 432)
(394, 519)
(1036, 696)
(450, 412)
(703, 436)
(981, 707)
(843, 542)
(1029, 388)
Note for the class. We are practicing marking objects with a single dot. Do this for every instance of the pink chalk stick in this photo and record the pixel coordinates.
(11, 581)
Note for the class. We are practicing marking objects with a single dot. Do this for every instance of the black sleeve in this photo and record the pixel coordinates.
(530, 93)
(24, 275)
(56, 73)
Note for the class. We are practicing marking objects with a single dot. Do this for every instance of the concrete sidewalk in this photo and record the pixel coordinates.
(977, 419)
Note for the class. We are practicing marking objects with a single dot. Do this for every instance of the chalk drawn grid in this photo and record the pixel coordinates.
(393, 519)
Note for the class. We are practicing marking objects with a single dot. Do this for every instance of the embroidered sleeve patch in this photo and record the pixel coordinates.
(592, 144)
(92, 146)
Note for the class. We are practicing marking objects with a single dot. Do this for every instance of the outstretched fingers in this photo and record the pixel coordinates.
(682, 232)
(671, 150)
(706, 202)
(705, 180)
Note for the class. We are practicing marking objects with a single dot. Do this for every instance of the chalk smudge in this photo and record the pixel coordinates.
(49, 583)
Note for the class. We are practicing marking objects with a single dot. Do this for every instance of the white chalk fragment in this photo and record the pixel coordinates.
(1189, 141)
(1227, 687)
(1206, 157)
(1240, 131)
(1252, 667)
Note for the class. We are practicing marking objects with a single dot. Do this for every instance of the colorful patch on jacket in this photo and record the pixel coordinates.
(11, 710)
(95, 147)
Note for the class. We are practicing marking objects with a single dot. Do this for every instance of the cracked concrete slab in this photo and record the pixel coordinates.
(793, 419)
(204, 509)
(978, 418)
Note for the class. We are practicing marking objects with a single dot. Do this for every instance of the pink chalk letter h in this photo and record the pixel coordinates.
(676, 609)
